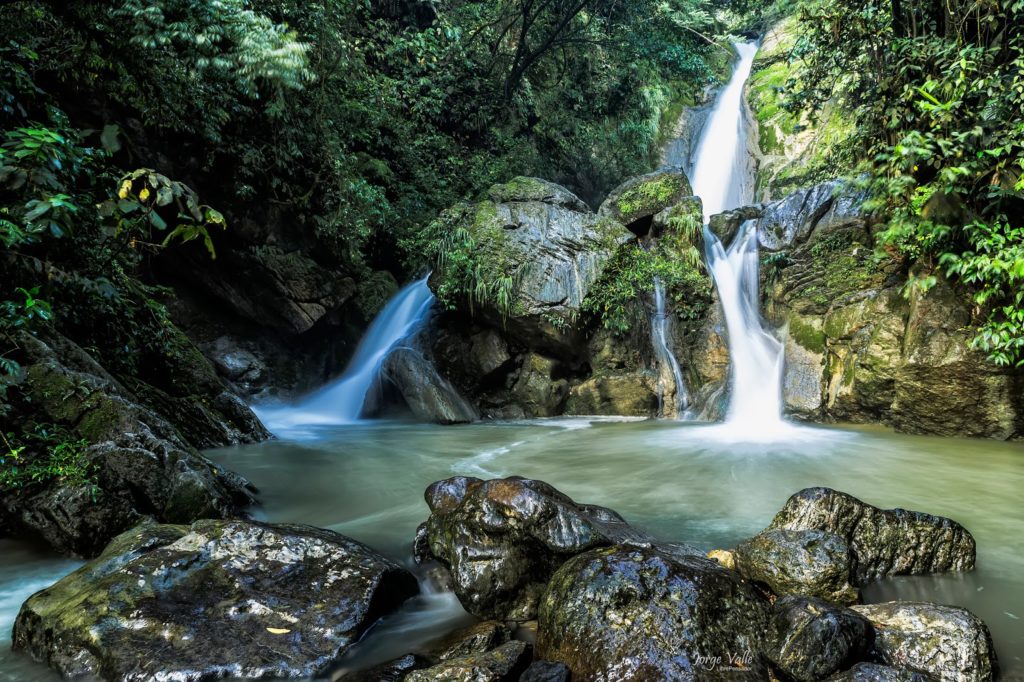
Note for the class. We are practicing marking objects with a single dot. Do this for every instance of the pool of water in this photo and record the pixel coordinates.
(705, 485)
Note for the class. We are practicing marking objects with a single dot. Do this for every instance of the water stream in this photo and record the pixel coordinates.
(342, 401)
(661, 340)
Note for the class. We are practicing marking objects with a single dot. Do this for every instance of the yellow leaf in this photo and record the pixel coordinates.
(125, 186)
(278, 631)
(144, 194)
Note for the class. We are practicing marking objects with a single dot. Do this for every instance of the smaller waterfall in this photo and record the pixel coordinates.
(756, 357)
(663, 349)
(342, 401)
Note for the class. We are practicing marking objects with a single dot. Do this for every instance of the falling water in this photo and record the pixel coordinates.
(719, 178)
(718, 172)
(342, 401)
(660, 340)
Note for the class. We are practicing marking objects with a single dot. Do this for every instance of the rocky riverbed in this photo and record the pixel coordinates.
(562, 590)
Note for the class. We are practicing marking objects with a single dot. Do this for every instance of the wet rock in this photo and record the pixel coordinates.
(806, 562)
(947, 642)
(811, 639)
(652, 613)
(488, 353)
(478, 638)
(546, 671)
(872, 672)
(504, 538)
(882, 542)
(217, 599)
(503, 664)
(726, 225)
(639, 199)
(429, 396)
(392, 671)
(685, 217)
(545, 240)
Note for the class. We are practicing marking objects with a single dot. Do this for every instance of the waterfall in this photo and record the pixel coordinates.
(719, 178)
(342, 400)
(662, 348)
(718, 172)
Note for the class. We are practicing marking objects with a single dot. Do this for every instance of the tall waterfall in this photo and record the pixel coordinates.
(718, 167)
(719, 178)
(662, 348)
(342, 401)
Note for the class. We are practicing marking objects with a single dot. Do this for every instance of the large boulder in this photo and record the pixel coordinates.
(217, 599)
(811, 639)
(814, 563)
(882, 542)
(636, 201)
(790, 221)
(547, 245)
(503, 539)
(634, 394)
(948, 643)
(140, 454)
(652, 613)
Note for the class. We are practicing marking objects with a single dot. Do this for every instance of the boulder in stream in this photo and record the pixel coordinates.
(652, 613)
(948, 643)
(502, 664)
(805, 562)
(503, 539)
(211, 600)
(882, 542)
(811, 639)
(873, 672)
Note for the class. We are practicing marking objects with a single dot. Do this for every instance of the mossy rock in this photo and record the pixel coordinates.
(644, 196)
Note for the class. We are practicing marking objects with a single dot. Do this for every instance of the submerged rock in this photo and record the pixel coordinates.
(652, 613)
(805, 562)
(504, 538)
(947, 642)
(427, 394)
(217, 599)
(811, 639)
(882, 542)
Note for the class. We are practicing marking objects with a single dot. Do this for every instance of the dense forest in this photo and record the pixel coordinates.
(146, 143)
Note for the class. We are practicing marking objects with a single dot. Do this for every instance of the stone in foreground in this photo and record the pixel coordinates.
(503, 539)
(872, 672)
(217, 599)
(806, 562)
(883, 542)
(947, 642)
(503, 664)
(652, 613)
(811, 639)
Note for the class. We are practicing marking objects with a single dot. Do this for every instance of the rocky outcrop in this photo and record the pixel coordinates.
(652, 613)
(139, 459)
(217, 599)
(810, 639)
(428, 395)
(947, 643)
(503, 539)
(635, 202)
(549, 246)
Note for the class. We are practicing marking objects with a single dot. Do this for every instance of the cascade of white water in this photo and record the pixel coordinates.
(342, 400)
(662, 348)
(719, 178)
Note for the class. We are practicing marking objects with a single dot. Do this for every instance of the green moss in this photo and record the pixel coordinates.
(649, 196)
(520, 188)
(806, 334)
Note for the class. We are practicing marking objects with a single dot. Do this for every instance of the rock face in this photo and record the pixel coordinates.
(805, 562)
(882, 542)
(503, 539)
(946, 642)
(217, 599)
(857, 349)
(652, 613)
(143, 465)
(810, 639)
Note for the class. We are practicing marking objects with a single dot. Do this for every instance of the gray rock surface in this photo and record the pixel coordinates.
(502, 664)
(217, 599)
(814, 563)
(429, 396)
(811, 639)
